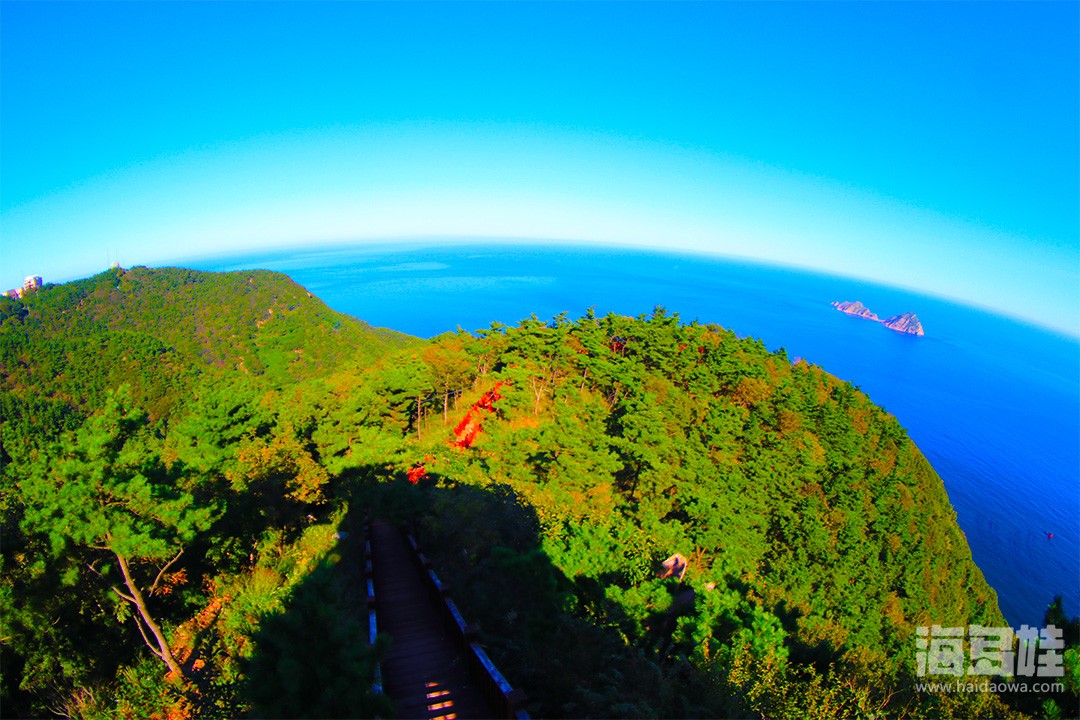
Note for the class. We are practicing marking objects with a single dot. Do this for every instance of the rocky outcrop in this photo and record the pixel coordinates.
(906, 323)
(857, 309)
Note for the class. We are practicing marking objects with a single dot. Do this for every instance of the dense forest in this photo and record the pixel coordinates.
(187, 457)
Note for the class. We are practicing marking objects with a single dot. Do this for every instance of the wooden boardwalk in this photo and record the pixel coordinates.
(425, 672)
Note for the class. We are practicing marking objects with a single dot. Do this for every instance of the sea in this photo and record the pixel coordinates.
(993, 403)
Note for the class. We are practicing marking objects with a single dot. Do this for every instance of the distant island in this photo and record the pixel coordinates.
(857, 309)
(906, 323)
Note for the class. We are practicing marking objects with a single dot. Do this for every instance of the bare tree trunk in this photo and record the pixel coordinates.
(538, 389)
(445, 401)
(614, 394)
(163, 651)
(419, 414)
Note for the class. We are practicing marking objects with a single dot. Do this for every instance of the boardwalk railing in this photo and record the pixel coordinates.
(373, 628)
(504, 699)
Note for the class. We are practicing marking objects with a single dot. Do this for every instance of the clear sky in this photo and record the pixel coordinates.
(929, 145)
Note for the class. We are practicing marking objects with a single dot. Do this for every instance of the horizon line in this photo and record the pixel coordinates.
(445, 241)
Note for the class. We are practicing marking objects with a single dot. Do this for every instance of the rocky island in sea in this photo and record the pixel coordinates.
(906, 323)
(857, 309)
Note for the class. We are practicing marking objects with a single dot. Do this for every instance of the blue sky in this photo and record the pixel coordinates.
(932, 146)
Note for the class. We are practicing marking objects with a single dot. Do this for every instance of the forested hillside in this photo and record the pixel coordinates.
(163, 330)
(187, 458)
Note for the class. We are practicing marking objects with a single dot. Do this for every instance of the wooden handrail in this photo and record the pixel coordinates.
(509, 702)
(373, 623)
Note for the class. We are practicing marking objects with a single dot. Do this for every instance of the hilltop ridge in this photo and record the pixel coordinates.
(142, 325)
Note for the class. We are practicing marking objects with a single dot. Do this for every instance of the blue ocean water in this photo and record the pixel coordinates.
(992, 402)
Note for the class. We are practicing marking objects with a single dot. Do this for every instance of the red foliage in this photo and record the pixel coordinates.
(469, 428)
(487, 400)
(417, 473)
(466, 431)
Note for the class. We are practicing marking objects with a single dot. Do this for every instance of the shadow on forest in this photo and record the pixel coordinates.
(313, 659)
(540, 627)
(822, 655)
